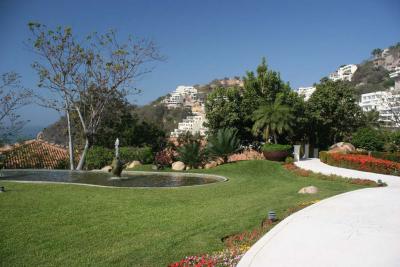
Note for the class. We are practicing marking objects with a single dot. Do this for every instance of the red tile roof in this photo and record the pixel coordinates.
(34, 154)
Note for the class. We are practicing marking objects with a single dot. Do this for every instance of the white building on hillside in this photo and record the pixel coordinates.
(193, 124)
(387, 103)
(344, 73)
(182, 96)
(396, 76)
(306, 92)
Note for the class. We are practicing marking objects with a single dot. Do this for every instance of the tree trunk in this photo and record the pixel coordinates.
(83, 155)
(275, 138)
(70, 143)
(266, 134)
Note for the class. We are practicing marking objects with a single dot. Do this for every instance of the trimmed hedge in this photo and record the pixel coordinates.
(323, 156)
(142, 154)
(361, 163)
(387, 156)
(276, 147)
(98, 157)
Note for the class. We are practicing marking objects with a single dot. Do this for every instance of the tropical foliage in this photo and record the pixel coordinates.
(191, 154)
(369, 139)
(222, 144)
(333, 113)
(272, 119)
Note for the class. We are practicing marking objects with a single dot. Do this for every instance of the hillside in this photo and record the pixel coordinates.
(371, 78)
(225, 82)
(373, 74)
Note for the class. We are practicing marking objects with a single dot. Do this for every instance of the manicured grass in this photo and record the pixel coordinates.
(72, 225)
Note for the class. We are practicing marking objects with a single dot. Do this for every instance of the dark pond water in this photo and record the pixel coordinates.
(107, 179)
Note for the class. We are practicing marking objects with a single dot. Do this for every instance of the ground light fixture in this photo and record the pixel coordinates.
(272, 215)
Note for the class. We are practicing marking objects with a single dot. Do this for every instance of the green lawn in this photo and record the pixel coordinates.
(72, 225)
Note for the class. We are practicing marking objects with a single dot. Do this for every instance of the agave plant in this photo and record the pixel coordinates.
(223, 144)
(191, 154)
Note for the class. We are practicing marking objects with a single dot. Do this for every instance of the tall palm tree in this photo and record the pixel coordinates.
(272, 119)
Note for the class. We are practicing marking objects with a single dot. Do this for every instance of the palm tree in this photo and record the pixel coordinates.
(223, 144)
(272, 119)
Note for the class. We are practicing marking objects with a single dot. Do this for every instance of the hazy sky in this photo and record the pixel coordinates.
(203, 40)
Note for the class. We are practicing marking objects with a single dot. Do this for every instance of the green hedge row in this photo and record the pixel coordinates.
(98, 157)
(387, 155)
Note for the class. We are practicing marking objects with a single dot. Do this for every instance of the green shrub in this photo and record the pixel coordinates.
(97, 157)
(368, 139)
(276, 147)
(222, 144)
(392, 141)
(191, 154)
(62, 164)
(387, 155)
(323, 156)
(289, 160)
(142, 154)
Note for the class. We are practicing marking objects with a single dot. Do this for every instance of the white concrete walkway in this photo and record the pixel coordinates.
(358, 228)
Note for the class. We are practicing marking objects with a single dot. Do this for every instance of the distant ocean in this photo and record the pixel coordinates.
(28, 132)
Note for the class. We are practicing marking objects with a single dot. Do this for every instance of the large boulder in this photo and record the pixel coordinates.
(134, 164)
(178, 166)
(106, 169)
(342, 147)
(308, 190)
(210, 165)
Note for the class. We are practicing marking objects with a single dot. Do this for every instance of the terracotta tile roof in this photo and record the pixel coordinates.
(34, 154)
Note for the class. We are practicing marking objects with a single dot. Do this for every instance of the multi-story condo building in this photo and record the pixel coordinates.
(193, 124)
(183, 96)
(387, 103)
(306, 92)
(344, 73)
(396, 76)
(175, 100)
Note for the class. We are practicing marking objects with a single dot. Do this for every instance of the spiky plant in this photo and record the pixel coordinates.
(191, 154)
(223, 144)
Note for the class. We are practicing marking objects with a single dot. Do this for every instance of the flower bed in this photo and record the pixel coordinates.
(387, 156)
(361, 163)
(237, 244)
(305, 173)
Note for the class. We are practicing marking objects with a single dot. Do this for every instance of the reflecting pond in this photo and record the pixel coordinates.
(128, 179)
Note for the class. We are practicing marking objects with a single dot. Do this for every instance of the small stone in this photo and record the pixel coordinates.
(178, 166)
(154, 167)
(342, 147)
(210, 165)
(133, 164)
(308, 190)
(106, 169)
(187, 168)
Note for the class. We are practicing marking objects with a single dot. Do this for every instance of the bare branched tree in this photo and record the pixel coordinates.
(83, 77)
(110, 69)
(60, 59)
(12, 97)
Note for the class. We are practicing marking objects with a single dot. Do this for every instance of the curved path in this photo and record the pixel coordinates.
(358, 228)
